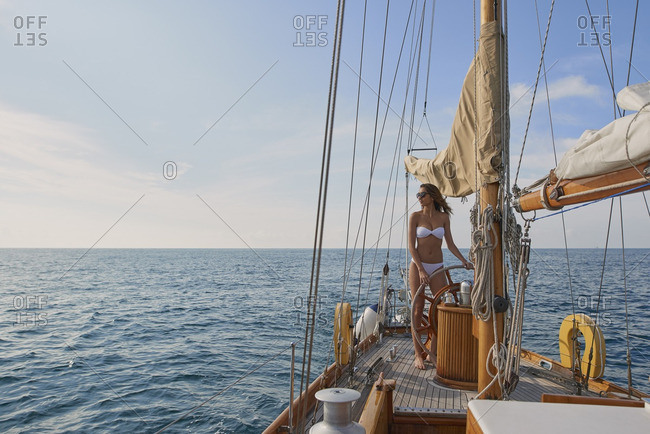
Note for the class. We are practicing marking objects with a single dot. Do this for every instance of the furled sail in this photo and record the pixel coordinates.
(620, 144)
(454, 169)
(612, 160)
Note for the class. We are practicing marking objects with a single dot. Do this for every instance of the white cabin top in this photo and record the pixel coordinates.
(505, 417)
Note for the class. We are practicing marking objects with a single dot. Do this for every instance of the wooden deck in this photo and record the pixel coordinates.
(417, 392)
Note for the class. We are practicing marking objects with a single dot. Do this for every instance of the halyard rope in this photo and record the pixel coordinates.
(481, 252)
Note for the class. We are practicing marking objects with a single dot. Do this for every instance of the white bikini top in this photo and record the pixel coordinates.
(422, 232)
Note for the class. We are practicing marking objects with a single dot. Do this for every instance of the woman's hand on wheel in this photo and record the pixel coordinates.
(424, 277)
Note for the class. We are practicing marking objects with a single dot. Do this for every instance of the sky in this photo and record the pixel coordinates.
(199, 124)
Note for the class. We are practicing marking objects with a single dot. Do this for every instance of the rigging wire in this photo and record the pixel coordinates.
(397, 150)
(426, 89)
(366, 201)
(611, 59)
(629, 67)
(320, 215)
(629, 70)
(550, 118)
(222, 391)
(610, 77)
(548, 98)
(416, 65)
(504, 187)
(354, 148)
(602, 273)
(418, 48)
(477, 197)
(627, 320)
(532, 104)
(346, 272)
(372, 158)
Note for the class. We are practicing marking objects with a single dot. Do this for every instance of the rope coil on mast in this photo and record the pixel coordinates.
(481, 252)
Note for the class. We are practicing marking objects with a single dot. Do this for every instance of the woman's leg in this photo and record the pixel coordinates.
(418, 305)
(436, 282)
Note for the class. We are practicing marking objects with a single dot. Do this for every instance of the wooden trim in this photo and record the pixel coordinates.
(472, 424)
(590, 400)
(612, 390)
(557, 368)
(456, 384)
(378, 412)
(620, 181)
(429, 420)
(331, 374)
(597, 385)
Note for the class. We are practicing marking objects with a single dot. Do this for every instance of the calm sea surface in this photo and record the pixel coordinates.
(126, 340)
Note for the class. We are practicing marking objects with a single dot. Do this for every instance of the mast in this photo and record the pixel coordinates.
(489, 193)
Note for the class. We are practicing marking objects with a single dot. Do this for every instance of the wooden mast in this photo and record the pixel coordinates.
(489, 196)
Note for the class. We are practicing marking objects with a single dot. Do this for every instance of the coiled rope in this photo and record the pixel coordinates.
(483, 244)
(481, 252)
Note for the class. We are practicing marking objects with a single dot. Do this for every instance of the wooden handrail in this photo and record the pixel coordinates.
(590, 400)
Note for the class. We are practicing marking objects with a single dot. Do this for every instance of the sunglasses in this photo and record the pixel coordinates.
(421, 195)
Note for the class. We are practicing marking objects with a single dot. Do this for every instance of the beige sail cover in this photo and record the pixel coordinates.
(618, 145)
(453, 170)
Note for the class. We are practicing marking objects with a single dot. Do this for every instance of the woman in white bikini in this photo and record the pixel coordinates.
(427, 228)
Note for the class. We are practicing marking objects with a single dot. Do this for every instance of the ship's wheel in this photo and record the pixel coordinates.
(429, 323)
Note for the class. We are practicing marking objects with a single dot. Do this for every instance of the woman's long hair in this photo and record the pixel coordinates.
(439, 201)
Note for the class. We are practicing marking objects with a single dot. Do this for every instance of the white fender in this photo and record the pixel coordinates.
(366, 324)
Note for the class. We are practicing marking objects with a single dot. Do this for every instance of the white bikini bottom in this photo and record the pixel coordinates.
(430, 268)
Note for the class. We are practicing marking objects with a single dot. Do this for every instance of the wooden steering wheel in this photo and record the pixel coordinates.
(430, 321)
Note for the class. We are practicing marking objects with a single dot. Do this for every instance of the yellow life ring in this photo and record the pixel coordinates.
(593, 339)
(342, 333)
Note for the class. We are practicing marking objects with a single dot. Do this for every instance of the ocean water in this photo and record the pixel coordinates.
(128, 340)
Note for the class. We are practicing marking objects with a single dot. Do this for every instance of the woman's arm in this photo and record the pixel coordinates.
(449, 239)
(413, 223)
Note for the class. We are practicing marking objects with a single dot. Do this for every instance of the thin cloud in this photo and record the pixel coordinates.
(572, 86)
